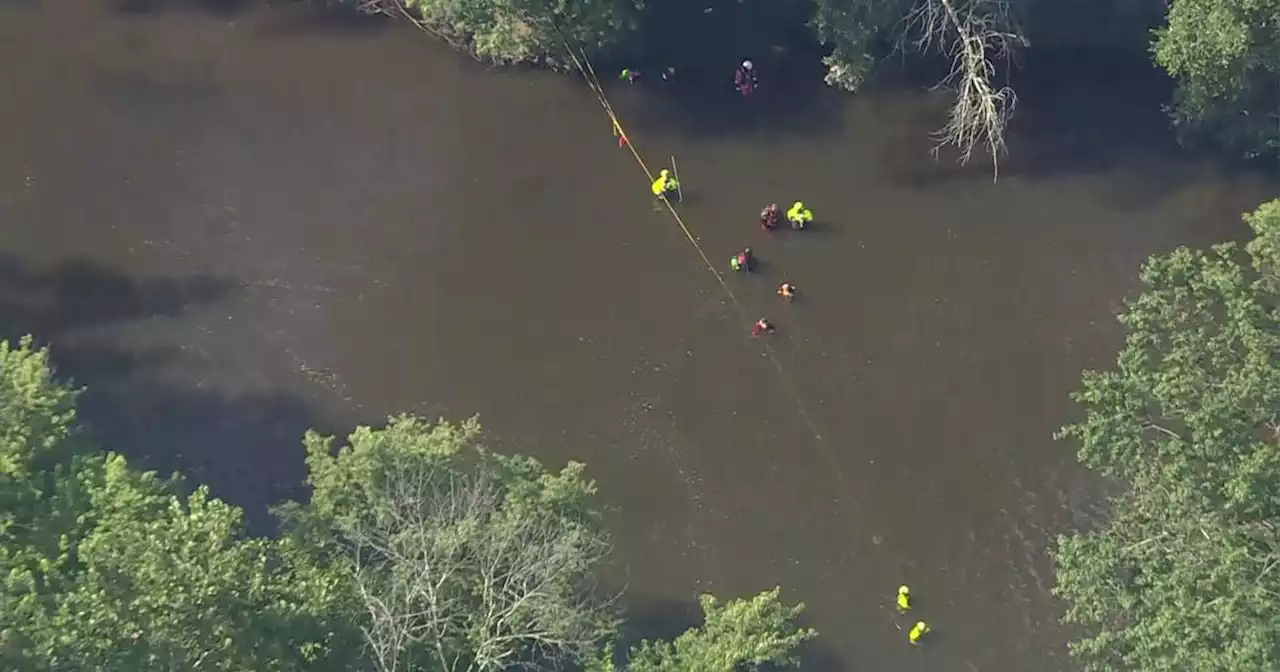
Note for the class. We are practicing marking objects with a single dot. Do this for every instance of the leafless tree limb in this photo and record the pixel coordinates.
(975, 35)
(448, 568)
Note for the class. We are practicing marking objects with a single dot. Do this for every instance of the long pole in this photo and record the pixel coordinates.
(679, 189)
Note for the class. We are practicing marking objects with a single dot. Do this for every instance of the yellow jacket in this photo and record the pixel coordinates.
(663, 184)
(799, 213)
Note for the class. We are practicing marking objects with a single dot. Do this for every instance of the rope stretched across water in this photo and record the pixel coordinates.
(593, 81)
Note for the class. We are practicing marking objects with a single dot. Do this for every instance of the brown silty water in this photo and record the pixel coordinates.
(236, 226)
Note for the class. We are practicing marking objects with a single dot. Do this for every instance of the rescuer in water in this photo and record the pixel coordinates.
(761, 327)
(920, 629)
(744, 80)
(904, 599)
(743, 261)
(665, 184)
(769, 217)
(787, 291)
(799, 215)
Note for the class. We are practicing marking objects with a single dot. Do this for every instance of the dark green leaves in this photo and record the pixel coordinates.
(1183, 576)
(1225, 55)
(738, 635)
(109, 568)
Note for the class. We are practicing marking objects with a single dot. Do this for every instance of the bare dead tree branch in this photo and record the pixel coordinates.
(976, 35)
(447, 567)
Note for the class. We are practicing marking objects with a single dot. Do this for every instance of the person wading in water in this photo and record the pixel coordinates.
(744, 80)
(743, 261)
(665, 185)
(761, 327)
(769, 217)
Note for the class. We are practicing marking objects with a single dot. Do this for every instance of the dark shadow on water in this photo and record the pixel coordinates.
(76, 295)
(709, 108)
(705, 42)
(295, 18)
(656, 619)
(704, 104)
(279, 18)
(691, 197)
(143, 400)
(1083, 115)
(247, 449)
(216, 7)
(1089, 115)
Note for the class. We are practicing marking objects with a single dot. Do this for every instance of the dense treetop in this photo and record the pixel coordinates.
(1183, 574)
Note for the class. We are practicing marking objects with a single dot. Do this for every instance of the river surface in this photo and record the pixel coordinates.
(234, 226)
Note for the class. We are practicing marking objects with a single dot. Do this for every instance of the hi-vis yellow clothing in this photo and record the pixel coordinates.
(904, 598)
(664, 183)
(920, 630)
(798, 214)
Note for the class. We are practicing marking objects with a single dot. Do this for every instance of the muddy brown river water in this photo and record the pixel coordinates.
(235, 226)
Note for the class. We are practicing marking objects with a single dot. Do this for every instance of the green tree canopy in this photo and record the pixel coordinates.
(109, 568)
(1225, 55)
(1183, 576)
(738, 635)
(464, 559)
(517, 31)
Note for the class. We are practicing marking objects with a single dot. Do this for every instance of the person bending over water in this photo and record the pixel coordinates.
(769, 217)
(799, 216)
(762, 327)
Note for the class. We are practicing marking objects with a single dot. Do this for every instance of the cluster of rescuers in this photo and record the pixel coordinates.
(798, 216)
(744, 262)
(745, 82)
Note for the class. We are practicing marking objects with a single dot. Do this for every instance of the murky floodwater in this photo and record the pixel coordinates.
(237, 226)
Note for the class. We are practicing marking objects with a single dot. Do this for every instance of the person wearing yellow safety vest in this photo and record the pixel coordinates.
(665, 184)
(904, 599)
(799, 215)
(920, 629)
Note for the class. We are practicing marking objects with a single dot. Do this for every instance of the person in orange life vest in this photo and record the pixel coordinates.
(761, 327)
(787, 291)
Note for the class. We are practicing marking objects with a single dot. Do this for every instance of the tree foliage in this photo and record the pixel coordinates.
(109, 568)
(1225, 55)
(738, 635)
(464, 559)
(1184, 575)
(517, 31)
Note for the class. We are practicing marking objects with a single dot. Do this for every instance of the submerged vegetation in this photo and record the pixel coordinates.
(418, 549)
